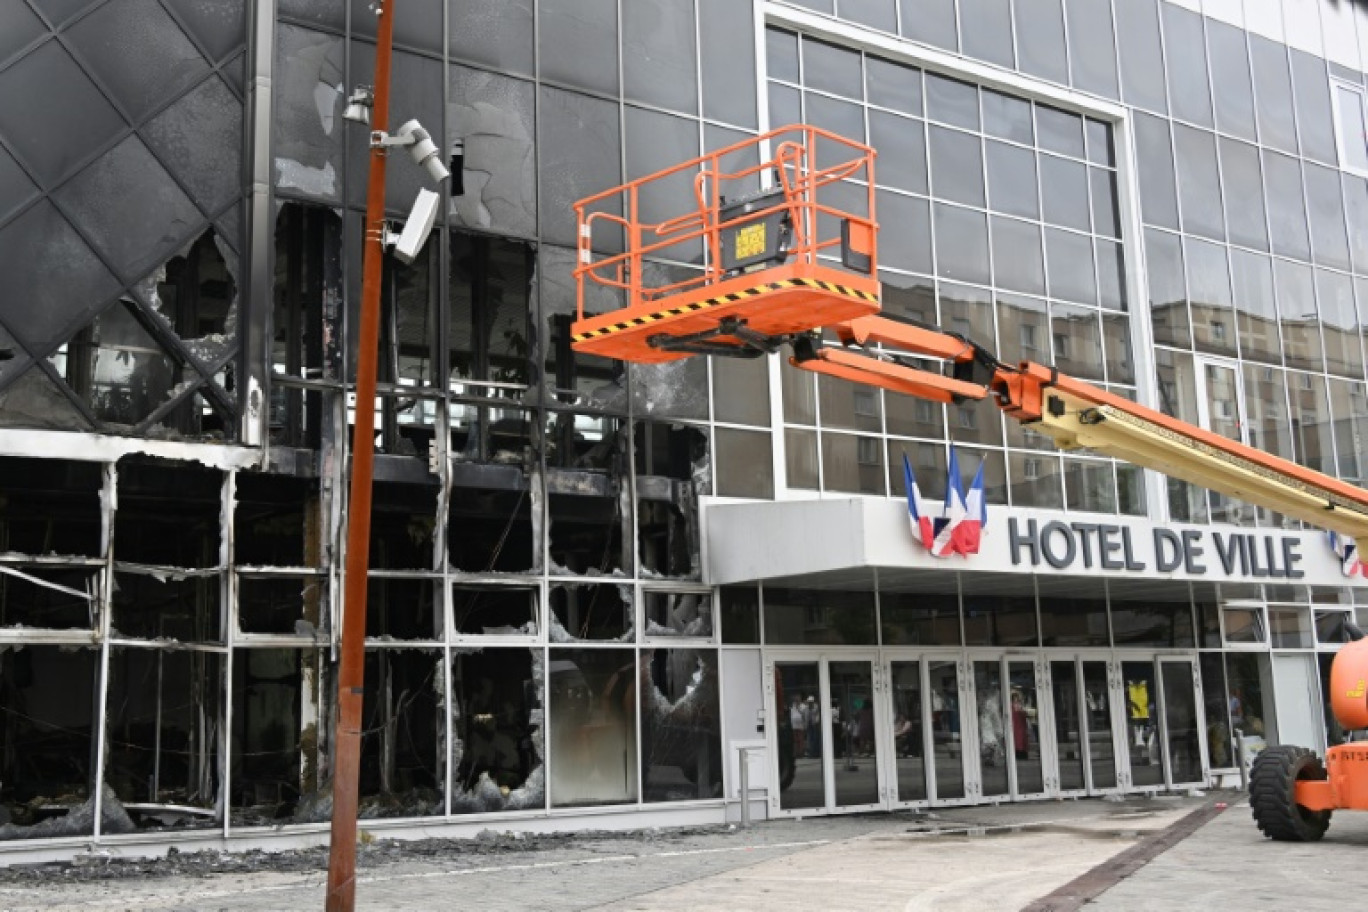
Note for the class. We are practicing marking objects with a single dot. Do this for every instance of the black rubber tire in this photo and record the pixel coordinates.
(1272, 789)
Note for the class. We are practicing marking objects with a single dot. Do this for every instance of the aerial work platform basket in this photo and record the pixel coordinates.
(771, 249)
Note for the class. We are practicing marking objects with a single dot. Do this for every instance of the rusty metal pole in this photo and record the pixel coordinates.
(352, 669)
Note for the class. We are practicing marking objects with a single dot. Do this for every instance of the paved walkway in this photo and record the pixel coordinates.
(1003, 858)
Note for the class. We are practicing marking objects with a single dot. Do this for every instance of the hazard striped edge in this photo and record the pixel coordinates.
(730, 298)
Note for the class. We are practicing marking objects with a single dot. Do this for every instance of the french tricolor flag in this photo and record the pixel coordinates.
(1346, 549)
(969, 531)
(916, 510)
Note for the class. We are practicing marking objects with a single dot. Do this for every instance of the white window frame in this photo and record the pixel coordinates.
(1342, 141)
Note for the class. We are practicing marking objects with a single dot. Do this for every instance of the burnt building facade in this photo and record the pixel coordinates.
(593, 583)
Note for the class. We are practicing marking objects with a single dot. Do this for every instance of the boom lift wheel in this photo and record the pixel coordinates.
(1272, 794)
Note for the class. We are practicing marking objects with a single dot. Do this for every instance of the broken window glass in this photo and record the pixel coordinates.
(494, 610)
(169, 514)
(492, 531)
(197, 294)
(308, 294)
(489, 336)
(274, 743)
(171, 606)
(116, 368)
(296, 416)
(308, 101)
(163, 732)
(46, 741)
(497, 723)
(586, 533)
(405, 423)
(403, 608)
(403, 526)
(490, 433)
(673, 389)
(672, 451)
(573, 377)
(50, 506)
(40, 595)
(408, 318)
(591, 612)
(276, 603)
(667, 536)
(681, 732)
(580, 441)
(678, 614)
(592, 712)
(276, 521)
(403, 743)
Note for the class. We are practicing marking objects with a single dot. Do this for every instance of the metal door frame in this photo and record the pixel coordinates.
(1115, 698)
(921, 657)
(1003, 656)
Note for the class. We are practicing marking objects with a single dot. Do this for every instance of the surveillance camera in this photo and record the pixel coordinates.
(458, 168)
(359, 105)
(423, 150)
(410, 241)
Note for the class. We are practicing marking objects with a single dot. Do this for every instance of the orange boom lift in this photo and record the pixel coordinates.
(784, 225)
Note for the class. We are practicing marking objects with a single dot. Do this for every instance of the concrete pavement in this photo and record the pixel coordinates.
(983, 858)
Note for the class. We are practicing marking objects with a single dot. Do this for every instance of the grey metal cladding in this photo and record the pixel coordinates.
(220, 26)
(19, 27)
(139, 53)
(16, 188)
(200, 139)
(53, 139)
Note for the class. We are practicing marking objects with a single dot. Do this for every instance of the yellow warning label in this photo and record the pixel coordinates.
(750, 241)
(1357, 692)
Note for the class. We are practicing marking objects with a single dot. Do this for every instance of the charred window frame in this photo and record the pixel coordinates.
(673, 613)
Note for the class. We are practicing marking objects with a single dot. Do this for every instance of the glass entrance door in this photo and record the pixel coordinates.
(1008, 724)
(1083, 731)
(827, 742)
(926, 736)
(1164, 737)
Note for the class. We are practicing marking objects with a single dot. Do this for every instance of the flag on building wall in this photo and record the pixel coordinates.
(916, 509)
(1346, 549)
(959, 528)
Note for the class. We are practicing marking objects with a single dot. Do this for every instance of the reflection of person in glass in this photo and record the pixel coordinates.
(1021, 732)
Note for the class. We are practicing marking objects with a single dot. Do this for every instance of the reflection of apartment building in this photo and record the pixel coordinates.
(591, 581)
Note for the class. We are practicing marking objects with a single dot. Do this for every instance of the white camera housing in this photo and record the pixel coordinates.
(409, 242)
(423, 150)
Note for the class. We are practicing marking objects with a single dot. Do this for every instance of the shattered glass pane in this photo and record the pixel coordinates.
(581, 155)
(50, 506)
(656, 142)
(587, 534)
(678, 614)
(133, 237)
(403, 746)
(138, 52)
(272, 740)
(169, 514)
(168, 606)
(56, 598)
(281, 604)
(276, 521)
(667, 531)
(681, 731)
(52, 139)
(588, 379)
(45, 774)
(497, 724)
(404, 609)
(34, 401)
(673, 389)
(58, 280)
(592, 712)
(490, 290)
(493, 115)
(579, 44)
(308, 127)
(403, 526)
(588, 442)
(117, 368)
(200, 139)
(491, 434)
(165, 720)
(674, 451)
(492, 531)
(591, 612)
(423, 81)
(405, 423)
(494, 610)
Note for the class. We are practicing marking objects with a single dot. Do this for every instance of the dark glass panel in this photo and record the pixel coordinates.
(1297, 313)
(1256, 313)
(1076, 341)
(1209, 297)
(962, 244)
(1315, 124)
(1325, 208)
(581, 155)
(781, 55)
(1142, 59)
(879, 14)
(740, 615)
(807, 617)
(1018, 261)
(993, 617)
(952, 102)
(1012, 180)
(1069, 259)
(1040, 39)
(991, 37)
(892, 85)
(1245, 218)
(1231, 83)
(830, 68)
(1186, 47)
(1286, 212)
(1059, 131)
(1106, 217)
(1273, 94)
(1007, 117)
(499, 33)
(905, 232)
(901, 143)
(1199, 184)
(852, 464)
(932, 21)
(1339, 328)
(956, 166)
(579, 45)
(727, 60)
(744, 464)
(1167, 290)
(1154, 154)
(1066, 192)
(1111, 275)
(1092, 50)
